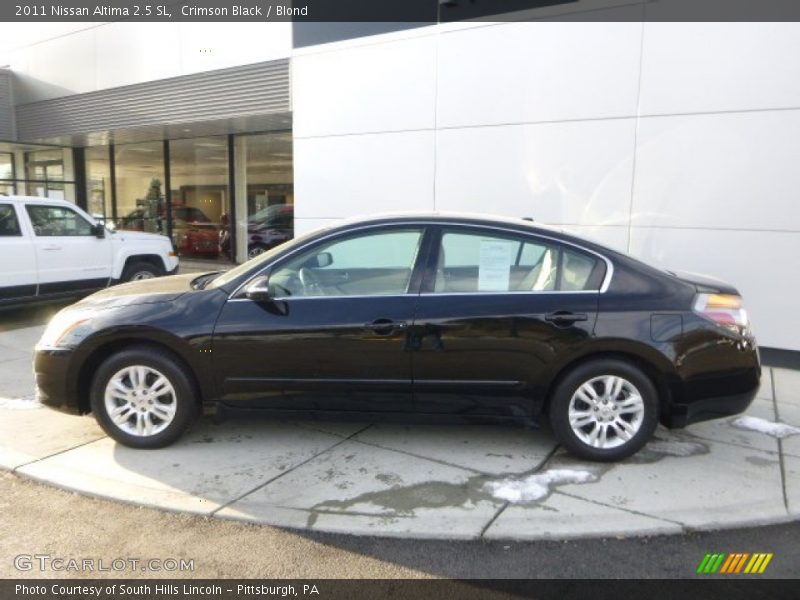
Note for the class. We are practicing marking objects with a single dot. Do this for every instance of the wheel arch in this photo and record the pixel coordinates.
(660, 372)
(100, 353)
(153, 259)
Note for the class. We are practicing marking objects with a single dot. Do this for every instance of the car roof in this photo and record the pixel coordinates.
(520, 224)
(34, 199)
(451, 217)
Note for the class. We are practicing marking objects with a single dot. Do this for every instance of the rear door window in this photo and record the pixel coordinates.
(9, 224)
(489, 262)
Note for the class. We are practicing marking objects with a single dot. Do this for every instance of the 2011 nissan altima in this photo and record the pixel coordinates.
(442, 317)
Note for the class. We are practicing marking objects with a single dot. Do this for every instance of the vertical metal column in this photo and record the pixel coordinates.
(112, 164)
(79, 169)
(167, 191)
(231, 199)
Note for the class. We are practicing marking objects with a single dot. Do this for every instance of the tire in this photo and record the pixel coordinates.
(139, 270)
(116, 386)
(614, 409)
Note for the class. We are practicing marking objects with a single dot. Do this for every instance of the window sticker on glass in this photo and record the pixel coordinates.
(494, 268)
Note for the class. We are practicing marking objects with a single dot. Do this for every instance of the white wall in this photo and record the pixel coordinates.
(92, 56)
(675, 142)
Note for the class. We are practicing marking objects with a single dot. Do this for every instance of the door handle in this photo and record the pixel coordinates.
(563, 318)
(385, 326)
(51, 247)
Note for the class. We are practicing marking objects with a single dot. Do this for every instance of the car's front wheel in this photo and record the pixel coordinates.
(141, 270)
(143, 397)
(604, 410)
(256, 250)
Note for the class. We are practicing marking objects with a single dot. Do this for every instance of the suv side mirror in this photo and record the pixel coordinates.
(99, 231)
(258, 289)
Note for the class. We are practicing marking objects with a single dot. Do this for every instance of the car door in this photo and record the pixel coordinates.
(333, 336)
(70, 257)
(17, 257)
(496, 308)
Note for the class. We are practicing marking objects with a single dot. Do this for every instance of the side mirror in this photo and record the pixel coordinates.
(319, 261)
(99, 231)
(258, 289)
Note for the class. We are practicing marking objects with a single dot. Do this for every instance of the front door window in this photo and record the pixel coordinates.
(374, 264)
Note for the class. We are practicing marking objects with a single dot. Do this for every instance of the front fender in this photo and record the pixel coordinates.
(170, 325)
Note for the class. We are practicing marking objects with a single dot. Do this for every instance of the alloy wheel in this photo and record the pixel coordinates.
(140, 400)
(606, 411)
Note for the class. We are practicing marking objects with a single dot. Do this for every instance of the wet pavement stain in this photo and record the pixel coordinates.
(389, 478)
(660, 448)
(759, 461)
(400, 501)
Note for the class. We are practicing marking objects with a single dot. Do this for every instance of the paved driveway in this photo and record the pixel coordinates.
(418, 481)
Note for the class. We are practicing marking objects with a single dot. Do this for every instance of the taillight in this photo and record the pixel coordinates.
(723, 309)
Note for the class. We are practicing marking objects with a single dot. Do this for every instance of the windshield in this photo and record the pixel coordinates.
(278, 215)
(261, 259)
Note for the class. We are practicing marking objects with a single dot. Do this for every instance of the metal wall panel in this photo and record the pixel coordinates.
(6, 107)
(257, 89)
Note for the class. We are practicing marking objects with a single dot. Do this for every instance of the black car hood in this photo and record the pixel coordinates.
(146, 291)
(704, 283)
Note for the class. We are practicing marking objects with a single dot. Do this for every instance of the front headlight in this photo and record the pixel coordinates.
(66, 330)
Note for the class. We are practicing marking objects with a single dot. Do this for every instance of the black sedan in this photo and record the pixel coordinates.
(456, 318)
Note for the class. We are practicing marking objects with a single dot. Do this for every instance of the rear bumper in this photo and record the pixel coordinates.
(723, 395)
(706, 409)
(56, 381)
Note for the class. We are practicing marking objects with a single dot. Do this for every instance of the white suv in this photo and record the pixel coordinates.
(52, 248)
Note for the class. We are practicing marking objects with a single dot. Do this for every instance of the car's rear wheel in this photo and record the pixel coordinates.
(141, 270)
(604, 410)
(143, 397)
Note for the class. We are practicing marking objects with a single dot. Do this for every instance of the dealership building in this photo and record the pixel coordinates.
(676, 142)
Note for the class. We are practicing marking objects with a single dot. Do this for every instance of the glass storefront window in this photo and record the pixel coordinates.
(264, 193)
(6, 165)
(36, 171)
(98, 182)
(48, 173)
(139, 171)
(7, 187)
(200, 203)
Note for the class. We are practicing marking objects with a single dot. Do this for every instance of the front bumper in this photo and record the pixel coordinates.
(56, 380)
(171, 264)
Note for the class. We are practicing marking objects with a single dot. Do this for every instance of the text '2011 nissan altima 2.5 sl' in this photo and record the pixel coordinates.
(443, 317)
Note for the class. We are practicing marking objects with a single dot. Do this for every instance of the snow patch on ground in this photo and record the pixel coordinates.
(537, 486)
(19, 403)
(777, 430)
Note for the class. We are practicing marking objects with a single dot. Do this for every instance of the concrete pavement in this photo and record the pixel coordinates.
(418, 481)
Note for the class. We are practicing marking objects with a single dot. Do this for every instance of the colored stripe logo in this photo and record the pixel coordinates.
(734, 563)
